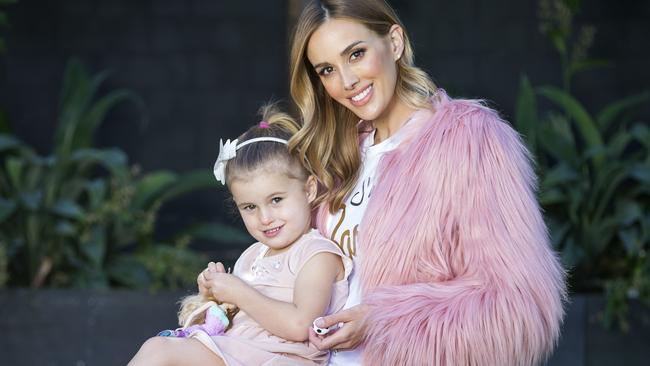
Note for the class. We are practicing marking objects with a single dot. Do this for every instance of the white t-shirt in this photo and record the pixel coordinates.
(343, 226)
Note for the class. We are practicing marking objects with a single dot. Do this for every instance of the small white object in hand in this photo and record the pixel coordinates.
(319, 330)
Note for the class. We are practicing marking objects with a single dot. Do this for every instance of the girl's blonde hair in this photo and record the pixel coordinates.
(248, 159)
(258, 154)
(328, 137)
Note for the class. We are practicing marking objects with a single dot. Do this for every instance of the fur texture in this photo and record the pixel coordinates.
(456, 263)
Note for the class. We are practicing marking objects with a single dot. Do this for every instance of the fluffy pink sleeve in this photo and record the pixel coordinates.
(455, 257)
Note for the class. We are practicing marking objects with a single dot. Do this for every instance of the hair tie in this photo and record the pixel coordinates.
(264, 124)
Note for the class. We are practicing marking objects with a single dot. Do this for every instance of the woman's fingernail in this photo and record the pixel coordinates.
(320, 322)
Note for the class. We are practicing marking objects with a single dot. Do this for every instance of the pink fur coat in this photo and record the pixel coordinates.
(455, 258)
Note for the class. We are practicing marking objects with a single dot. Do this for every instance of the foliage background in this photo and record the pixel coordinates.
(201, 69)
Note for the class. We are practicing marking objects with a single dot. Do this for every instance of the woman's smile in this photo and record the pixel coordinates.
(362, 97)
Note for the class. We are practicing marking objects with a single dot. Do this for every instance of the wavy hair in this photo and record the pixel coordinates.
(326, 123)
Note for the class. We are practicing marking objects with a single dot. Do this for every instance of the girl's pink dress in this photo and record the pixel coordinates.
(247, 343)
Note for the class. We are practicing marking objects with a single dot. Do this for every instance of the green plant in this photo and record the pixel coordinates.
(81, 216)
(595, 174)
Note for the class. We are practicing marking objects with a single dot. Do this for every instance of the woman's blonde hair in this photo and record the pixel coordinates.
(328, 137)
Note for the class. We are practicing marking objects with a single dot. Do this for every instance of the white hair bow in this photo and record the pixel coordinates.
(227, 151)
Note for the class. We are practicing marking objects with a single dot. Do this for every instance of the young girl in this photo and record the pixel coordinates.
(290, 277)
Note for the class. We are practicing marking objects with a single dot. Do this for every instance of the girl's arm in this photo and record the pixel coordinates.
(288, 320)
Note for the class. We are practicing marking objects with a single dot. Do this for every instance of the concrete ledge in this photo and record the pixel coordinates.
(75, 327)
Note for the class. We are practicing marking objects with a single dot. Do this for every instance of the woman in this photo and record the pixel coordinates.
(433, 198)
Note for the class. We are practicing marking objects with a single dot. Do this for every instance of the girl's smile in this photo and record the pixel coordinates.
(276, 208)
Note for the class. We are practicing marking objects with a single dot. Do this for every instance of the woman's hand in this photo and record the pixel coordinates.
(224, 287)
(201, 281)
(348, 336)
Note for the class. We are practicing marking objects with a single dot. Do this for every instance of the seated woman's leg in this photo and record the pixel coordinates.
(169, 351)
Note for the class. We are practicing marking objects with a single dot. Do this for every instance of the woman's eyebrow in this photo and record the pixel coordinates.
(346, 50)
(351, 46)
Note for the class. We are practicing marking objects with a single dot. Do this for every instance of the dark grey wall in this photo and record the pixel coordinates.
(204, 66)
(480, 48)
(69, 327)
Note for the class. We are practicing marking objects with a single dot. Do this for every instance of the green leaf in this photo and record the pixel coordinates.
(96, 192)
(65, 228)
(557, 38)
(558, 232)
(112, 159)
(641, 133)
(598, 234)
(68, 209)
(556, 138)
(32, 200)
(526, 113)
(14, 168)
(151, 187)
(7, 207)
(90, 278)
(78, 92)
(573, 108)
(129, 272)
(171, 266)
(560, 174)
(627, 212)
(75, 96)
(189, 182)
(93, 118)
(607, 181)
(641, 172)
(571, 254)
(589, 64)
(574, 5)
(630, 239)
(95, 248)
(8, 142)
(551, 197)
(618, 143)
(612, 111)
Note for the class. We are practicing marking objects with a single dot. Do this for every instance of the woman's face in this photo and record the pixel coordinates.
(356, 66)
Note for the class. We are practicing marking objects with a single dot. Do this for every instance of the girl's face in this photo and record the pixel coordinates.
(356, 66)
(276, 209)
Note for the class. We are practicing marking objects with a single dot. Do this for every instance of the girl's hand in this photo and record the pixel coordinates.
(224, 287)
(348, 336)
(201, 281)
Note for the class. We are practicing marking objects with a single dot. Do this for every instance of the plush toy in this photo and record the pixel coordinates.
(216, 321)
